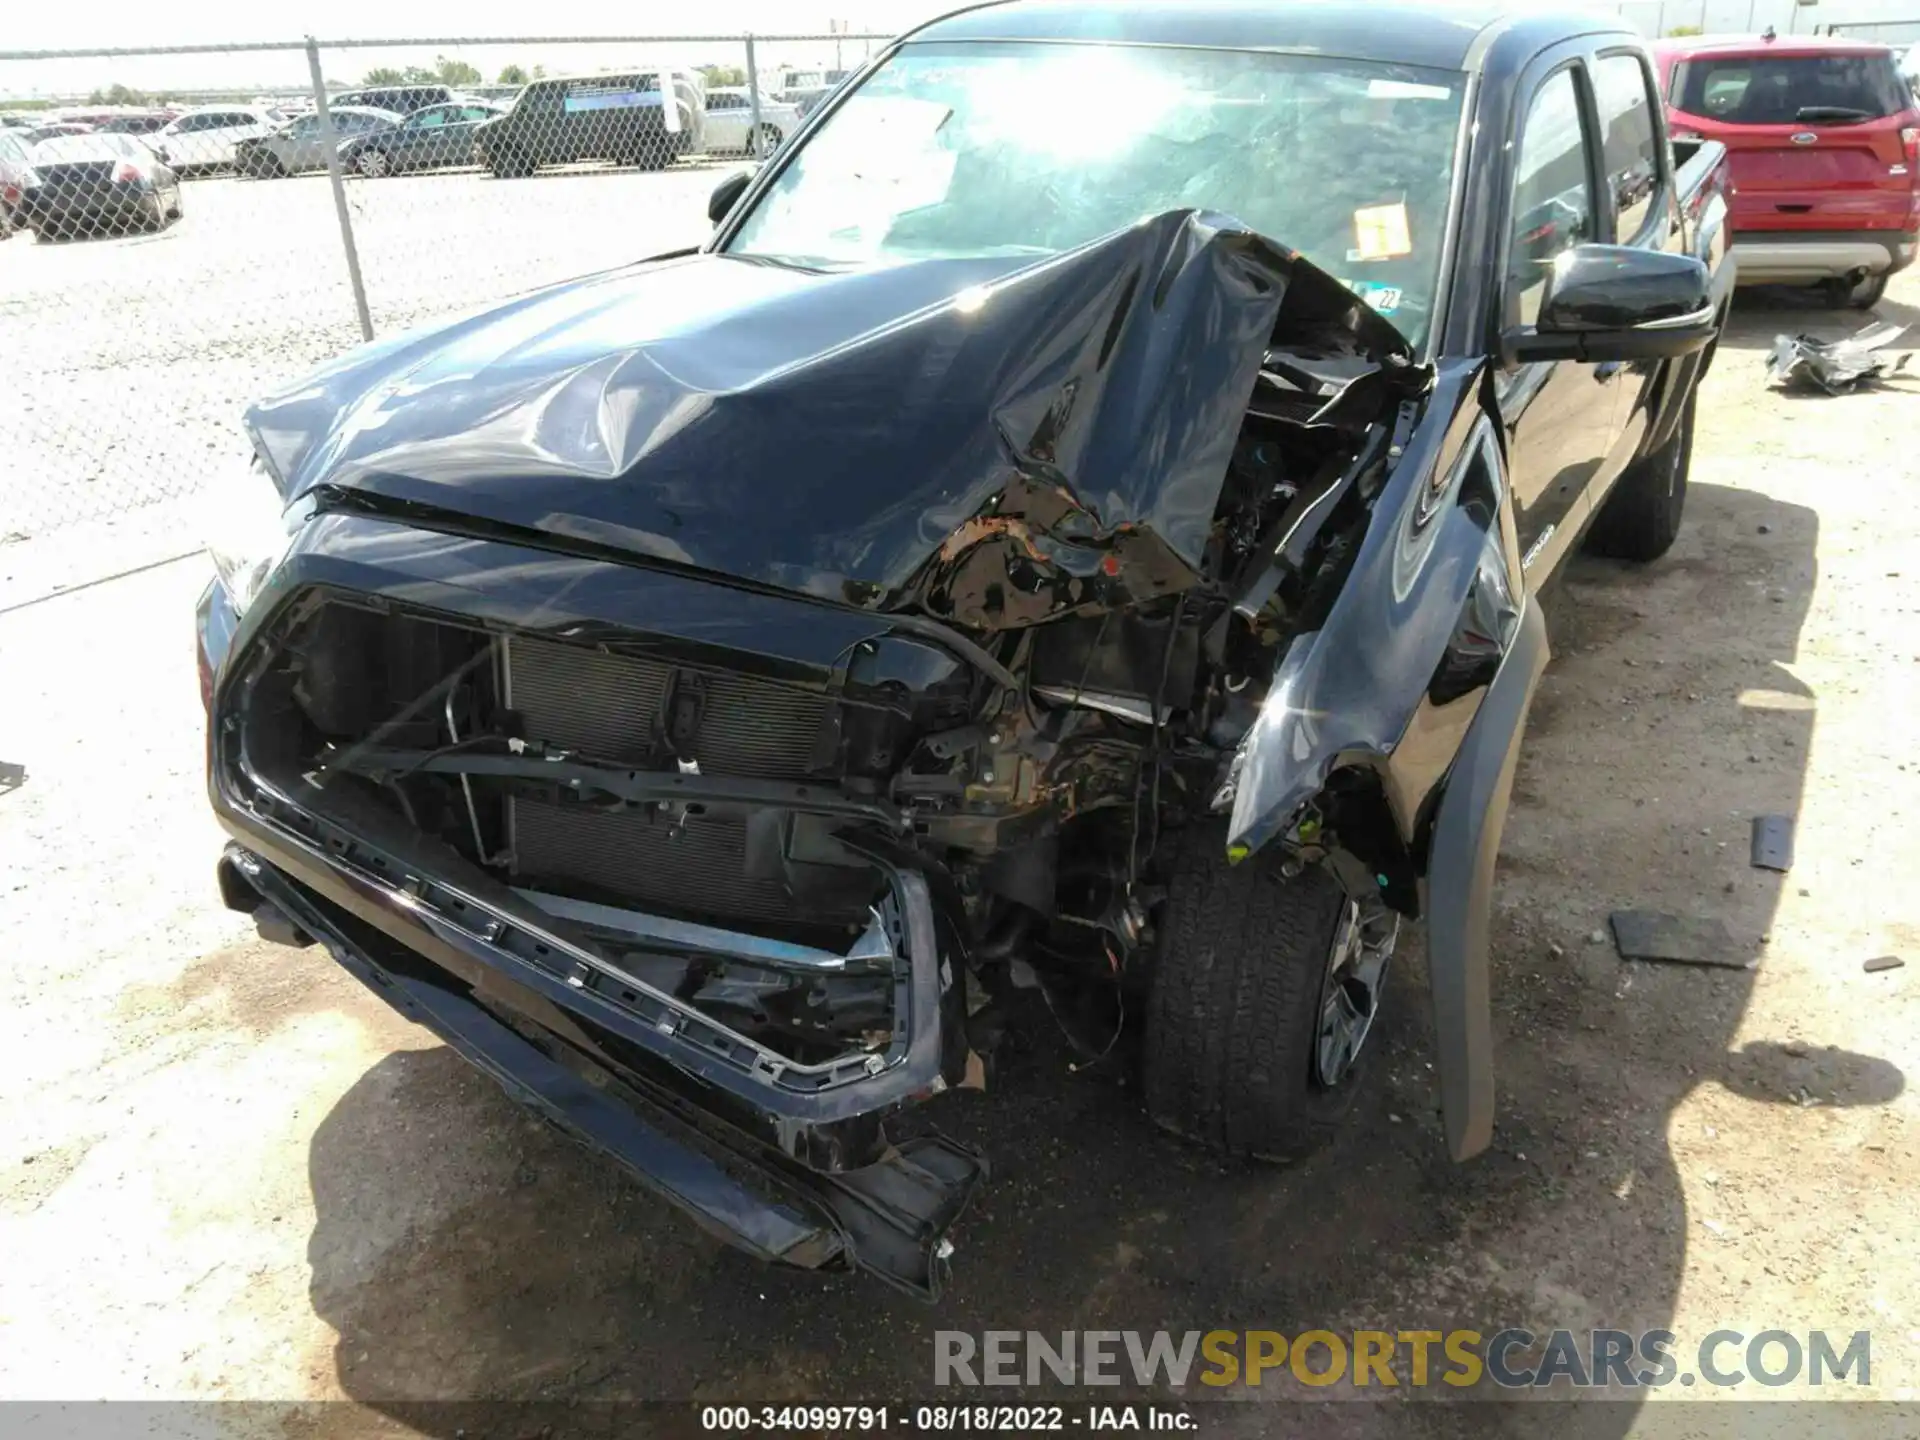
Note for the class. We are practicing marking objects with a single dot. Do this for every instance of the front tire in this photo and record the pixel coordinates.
(374, 164)
(1641, 517)
(1255, 974)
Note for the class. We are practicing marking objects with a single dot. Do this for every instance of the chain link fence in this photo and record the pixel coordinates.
(191, 227)
(1880, 32)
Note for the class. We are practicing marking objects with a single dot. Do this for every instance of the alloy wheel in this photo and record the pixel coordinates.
(1356, 973)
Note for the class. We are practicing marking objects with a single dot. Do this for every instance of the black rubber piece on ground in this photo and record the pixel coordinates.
(1642, 516)
(1233, 1018)
(1675, 939)
(1861, 296)
(1772, 845)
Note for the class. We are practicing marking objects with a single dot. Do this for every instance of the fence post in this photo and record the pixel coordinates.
(339, 189)
(753, 102)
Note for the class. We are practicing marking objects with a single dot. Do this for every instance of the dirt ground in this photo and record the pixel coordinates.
(227, 1172)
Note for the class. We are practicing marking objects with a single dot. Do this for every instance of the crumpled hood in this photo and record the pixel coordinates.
(837, 433)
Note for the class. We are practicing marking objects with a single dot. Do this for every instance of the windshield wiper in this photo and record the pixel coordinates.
(1837, 114)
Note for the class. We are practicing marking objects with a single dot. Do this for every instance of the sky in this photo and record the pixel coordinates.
(91, 23)
(88, 23)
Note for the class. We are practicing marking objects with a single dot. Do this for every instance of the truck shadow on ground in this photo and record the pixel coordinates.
(461, 1253)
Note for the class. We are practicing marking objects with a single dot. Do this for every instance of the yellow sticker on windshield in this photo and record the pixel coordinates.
(1381, 232)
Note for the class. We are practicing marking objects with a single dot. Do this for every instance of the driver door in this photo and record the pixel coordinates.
(1558, 415)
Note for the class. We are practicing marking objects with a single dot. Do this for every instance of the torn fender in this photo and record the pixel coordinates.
(1433, 592)
(1466, 843)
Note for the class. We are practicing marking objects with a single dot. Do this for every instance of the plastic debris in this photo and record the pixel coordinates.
(1800, 362)
(1677, 939)
(1882, 962)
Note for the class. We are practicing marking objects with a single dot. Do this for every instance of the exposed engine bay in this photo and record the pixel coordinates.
(675, 812)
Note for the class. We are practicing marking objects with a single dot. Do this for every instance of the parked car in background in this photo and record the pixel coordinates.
(809, 100)
(805, 102)
(304, 144)
(730, 121)
(53, 129)
(205, 138)
(619, 117)
(400, 99)
(121, 119)
(1823, 137)
(149, 122)
(14, 169)
(86, 184)
(436, 138)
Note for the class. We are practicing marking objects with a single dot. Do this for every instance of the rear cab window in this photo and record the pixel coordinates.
(1623, 92)
(1553, 207)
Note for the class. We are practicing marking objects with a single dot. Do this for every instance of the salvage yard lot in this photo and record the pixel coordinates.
(231, 1173)
(125, 360)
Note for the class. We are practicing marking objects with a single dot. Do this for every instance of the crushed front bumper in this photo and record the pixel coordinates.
(790, 1162)
(456, 971)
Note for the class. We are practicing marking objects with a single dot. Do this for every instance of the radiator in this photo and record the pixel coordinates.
(610, 706)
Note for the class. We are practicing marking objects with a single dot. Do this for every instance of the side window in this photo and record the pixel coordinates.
(1552, 196)
(428, 120)
(1627, 140)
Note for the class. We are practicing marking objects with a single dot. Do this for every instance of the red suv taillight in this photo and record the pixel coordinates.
(1910, 142)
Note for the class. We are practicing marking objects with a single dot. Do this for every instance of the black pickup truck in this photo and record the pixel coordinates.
(1071, 542)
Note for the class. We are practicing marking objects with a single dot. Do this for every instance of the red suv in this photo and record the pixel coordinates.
(1823, 137)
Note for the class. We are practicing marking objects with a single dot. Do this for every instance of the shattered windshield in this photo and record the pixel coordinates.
(967, 150)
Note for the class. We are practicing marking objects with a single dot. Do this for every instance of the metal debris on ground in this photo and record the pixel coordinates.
(1772, 843)
(1676, 939)
(1835, 366)
(1882, 962)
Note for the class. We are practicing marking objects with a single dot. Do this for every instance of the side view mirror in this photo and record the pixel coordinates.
(1619, 303)
(725, 193)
